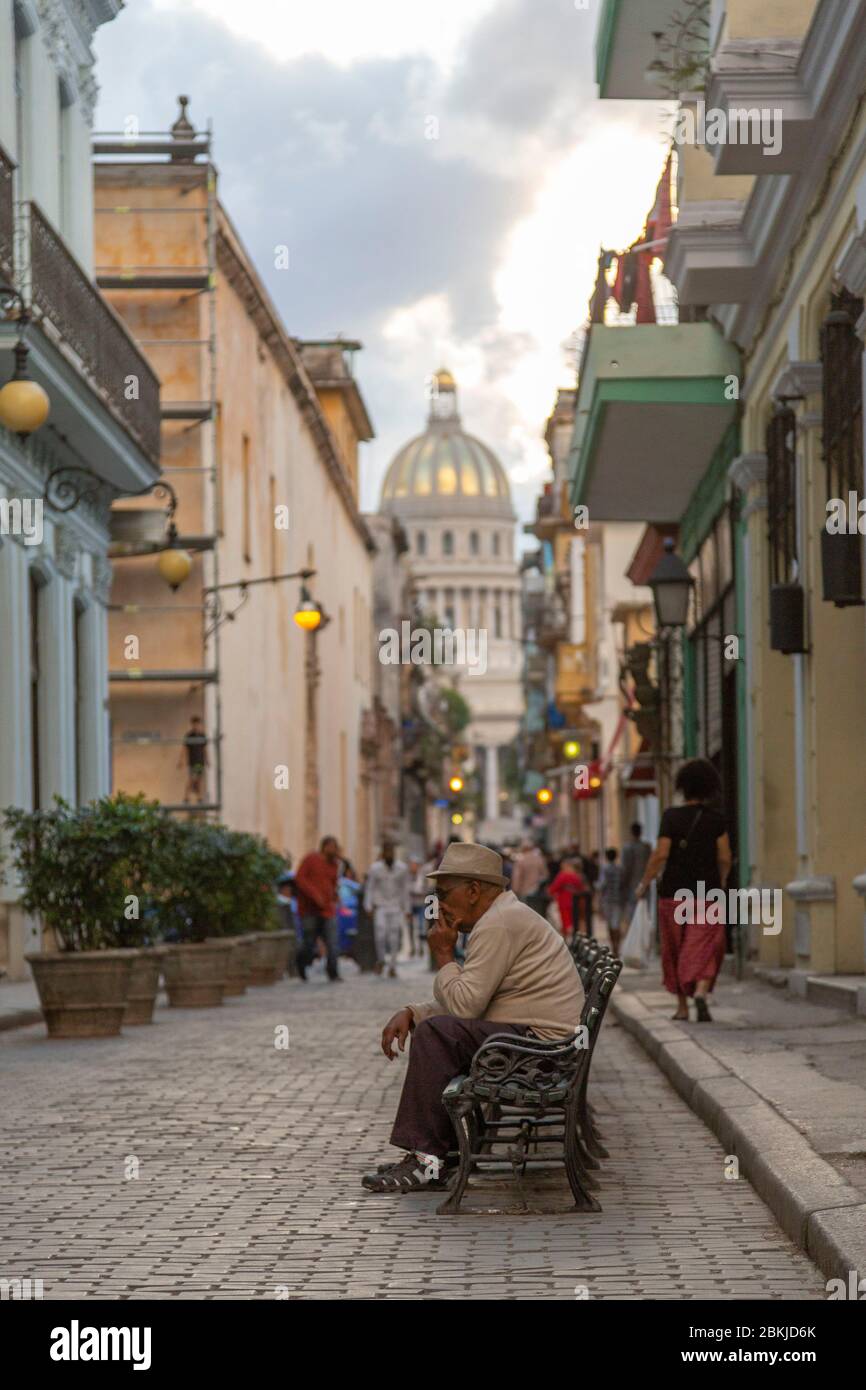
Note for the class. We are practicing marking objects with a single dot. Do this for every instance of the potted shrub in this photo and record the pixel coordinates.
(83, 871)
(255, 914)
(197, 896)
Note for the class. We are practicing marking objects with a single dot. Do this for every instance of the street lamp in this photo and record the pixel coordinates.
(456, 783)
(544, 796)
(24, 406)
(671, 585)
(308, 614)
(572, 749)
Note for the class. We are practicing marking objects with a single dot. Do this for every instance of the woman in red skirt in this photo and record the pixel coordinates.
(694, 852)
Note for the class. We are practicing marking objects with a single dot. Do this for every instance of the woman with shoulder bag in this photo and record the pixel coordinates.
(694, 853)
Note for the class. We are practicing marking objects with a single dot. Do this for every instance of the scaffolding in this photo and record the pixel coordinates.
(131, 157)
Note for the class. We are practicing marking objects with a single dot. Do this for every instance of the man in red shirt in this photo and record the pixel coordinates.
(316, 895)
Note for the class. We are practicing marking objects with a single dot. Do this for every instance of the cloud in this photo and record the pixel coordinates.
(381, 221)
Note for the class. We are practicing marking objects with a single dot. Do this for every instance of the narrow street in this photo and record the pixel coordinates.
(249, 1157)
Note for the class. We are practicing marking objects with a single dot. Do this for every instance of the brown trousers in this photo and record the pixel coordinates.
(442, 1047)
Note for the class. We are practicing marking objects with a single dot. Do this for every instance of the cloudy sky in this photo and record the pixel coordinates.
(442, 174)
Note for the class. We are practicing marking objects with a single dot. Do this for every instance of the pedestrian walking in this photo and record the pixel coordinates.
(635, 855)
(388, 896)
(316, 896)
(693, 855)
(530, 872)
(610, 896)
(418, 890)
(562, 889)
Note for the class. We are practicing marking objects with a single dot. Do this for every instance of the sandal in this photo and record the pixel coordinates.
(704, 1015)
(408, 1175)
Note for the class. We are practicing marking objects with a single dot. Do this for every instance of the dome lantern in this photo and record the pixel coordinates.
(445, 466)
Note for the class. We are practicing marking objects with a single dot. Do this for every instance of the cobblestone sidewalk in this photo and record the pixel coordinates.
(195, 1159)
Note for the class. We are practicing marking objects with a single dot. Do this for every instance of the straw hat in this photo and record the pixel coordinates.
(471, 861)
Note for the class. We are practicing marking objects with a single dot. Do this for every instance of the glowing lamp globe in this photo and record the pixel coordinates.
(24, 406)
(174, 566)
(595, 783)
(457, 819)
(572, 749)
(456, 784)
(544, 796)
(308, 615)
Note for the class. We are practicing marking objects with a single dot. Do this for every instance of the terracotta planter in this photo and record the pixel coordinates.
(271, 951)
(83, 993)
(144, 985)
(240, 965)
(195, 974)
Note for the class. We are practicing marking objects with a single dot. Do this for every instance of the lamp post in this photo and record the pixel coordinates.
(24, 405)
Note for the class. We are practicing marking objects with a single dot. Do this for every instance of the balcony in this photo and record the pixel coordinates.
(7, 216)
(652, 410)
(553, 623)
(756, 74)
(552, 513)
(576, 681)
(75, 337)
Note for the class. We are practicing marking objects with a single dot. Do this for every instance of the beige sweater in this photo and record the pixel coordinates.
(517, 970)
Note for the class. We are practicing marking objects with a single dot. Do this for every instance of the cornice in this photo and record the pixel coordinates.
(244, 281)
(831, 73)
(748, 470)
(799, 379)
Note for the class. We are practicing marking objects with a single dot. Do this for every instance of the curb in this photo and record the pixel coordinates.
(811, 1201)
(19, 1018)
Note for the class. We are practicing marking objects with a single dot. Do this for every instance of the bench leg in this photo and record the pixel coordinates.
(460, 1114)
(589, 1132)
(583, 1199)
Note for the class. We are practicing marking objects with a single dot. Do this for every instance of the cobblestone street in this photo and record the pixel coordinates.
(249, 1158)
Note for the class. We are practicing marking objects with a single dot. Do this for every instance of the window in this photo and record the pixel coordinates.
(246, 508)
(473, 543)
(497, 618)
(272, 504)
(447, 543)
(842, 360)
(421, 543)
(495, 542)
(782, 494)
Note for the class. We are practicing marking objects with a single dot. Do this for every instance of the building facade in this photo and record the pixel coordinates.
(767, 254)
(260, 440)
(101, 437)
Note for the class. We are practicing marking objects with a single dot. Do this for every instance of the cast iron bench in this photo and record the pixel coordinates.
(521, 1092)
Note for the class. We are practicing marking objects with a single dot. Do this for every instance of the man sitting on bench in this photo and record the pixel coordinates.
(518, 977)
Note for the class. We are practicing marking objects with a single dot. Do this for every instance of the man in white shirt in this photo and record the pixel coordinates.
(388, 896)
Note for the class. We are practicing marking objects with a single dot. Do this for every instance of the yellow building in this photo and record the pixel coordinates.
(771, 246)
(260, 439)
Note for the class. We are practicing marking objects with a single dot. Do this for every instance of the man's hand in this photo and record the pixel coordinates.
(397, 1029)
(442, 937)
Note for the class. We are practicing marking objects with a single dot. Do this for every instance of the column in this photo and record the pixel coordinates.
(14, 676)
(56, 687)
(93, 749)
(491, 783)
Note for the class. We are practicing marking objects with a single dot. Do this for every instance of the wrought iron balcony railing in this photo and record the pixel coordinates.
(7, 216)
(67, 304)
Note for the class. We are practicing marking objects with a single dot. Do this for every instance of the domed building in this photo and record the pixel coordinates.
(451, 494)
